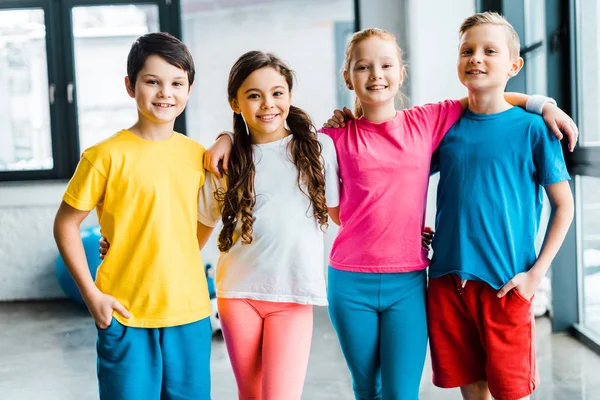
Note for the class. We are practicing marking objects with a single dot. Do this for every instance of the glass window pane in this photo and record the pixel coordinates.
(589, 220)
(535, 61)
(588, 69)
(25, 141)
(103, 36)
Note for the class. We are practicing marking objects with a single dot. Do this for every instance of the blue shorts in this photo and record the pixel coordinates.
(154, 363)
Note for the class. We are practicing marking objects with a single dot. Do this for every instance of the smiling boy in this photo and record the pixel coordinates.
(493, 165)
(150, 299)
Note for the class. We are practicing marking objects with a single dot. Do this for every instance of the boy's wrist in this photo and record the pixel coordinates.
(535, 103)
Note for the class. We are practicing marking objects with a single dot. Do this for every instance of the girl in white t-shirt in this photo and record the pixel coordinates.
(274, 207)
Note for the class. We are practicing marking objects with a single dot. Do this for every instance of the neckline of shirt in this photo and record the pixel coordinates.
(473, 115)
(380, 127)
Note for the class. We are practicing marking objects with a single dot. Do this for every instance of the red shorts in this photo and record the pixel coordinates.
(475, 336)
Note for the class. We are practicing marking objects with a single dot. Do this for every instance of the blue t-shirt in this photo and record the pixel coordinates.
(489, 198)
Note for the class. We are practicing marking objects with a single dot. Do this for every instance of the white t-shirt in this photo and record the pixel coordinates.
(284, 262)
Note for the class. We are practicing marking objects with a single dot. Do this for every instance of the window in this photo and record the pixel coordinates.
(589, 249)
(25, 139)
(587, 19)
(62, 69)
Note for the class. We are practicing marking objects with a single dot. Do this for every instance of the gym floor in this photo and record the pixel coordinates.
(47, 352)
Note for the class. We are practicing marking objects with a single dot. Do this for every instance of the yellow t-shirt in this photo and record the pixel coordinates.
(146, 196)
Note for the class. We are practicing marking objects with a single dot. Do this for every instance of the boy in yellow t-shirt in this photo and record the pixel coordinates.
(150, 299)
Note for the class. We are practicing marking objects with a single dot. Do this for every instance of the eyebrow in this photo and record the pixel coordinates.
(258, 90)
(156, 76)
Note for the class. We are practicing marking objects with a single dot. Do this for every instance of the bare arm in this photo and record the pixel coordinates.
(203, 233)
(334, 214)
(561, 200)
(68, 239)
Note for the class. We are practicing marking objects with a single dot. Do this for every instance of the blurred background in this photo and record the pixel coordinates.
(62, 69)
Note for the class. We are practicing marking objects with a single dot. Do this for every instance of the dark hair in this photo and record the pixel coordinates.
(305, 150)
(164, 45)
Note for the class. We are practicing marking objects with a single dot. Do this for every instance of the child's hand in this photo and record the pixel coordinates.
(218, 152)
(427, 237)
(101, 306)
(339, 118)
(104, 245)
(557, 120)
(525, 283)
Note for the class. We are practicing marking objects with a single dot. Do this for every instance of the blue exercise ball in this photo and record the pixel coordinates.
(90, 237)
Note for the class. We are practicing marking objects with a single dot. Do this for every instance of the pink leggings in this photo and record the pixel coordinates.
(268, 345)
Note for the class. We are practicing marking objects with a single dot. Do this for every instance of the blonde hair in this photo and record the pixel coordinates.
(356, 39)
(493, 18)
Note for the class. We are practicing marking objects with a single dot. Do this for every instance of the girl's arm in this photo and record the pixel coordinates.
(68, 239)
(561, 201)
(203, 233)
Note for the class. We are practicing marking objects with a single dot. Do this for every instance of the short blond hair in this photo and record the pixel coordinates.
(359, 37)
(493, 18)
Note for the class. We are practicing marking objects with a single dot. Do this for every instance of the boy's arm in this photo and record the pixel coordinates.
(216, 157)
(203, 233)
(334, 214)
(555, 118)
(68, 239)
(561, 201)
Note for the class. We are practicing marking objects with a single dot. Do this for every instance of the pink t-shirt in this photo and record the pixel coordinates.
(384, 169)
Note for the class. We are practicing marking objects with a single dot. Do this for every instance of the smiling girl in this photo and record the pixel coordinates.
(273, 208)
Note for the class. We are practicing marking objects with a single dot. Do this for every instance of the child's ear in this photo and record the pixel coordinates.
(515, 67)
(234, 106)
(130, 90)
(347, 80)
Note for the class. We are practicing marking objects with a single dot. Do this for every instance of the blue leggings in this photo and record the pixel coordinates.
(380, 320)
(154, 363)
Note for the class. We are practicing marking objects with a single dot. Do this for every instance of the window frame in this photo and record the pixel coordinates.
(64, 133)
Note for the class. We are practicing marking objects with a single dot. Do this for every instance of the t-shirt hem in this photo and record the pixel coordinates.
(207, 222)
(465, 275)
(165, 322)
(378, 269)
(78, 204)
(275, 298)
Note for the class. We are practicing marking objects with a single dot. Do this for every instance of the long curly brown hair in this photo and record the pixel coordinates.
(239, 198)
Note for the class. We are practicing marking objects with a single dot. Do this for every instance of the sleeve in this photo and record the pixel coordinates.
(209, 208)
(333, 133)
(437, 118)
(332, 172)
(548, 157)
(87, 186)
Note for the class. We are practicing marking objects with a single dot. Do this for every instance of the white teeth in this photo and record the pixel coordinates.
(267, 117)
(378, 87)
(163, 105)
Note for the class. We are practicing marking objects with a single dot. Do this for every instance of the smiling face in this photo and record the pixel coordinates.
(374, 71)
(161, 91)
(264, 101)
(485, 61)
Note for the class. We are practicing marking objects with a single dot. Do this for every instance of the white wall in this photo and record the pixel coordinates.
(27, 250)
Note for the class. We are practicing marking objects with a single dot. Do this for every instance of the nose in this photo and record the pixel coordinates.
(475, 58)
(165, 91)
(376, 73)
(268, 102)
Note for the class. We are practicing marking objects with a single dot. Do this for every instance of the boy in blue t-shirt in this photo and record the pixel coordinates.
(493, 165)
